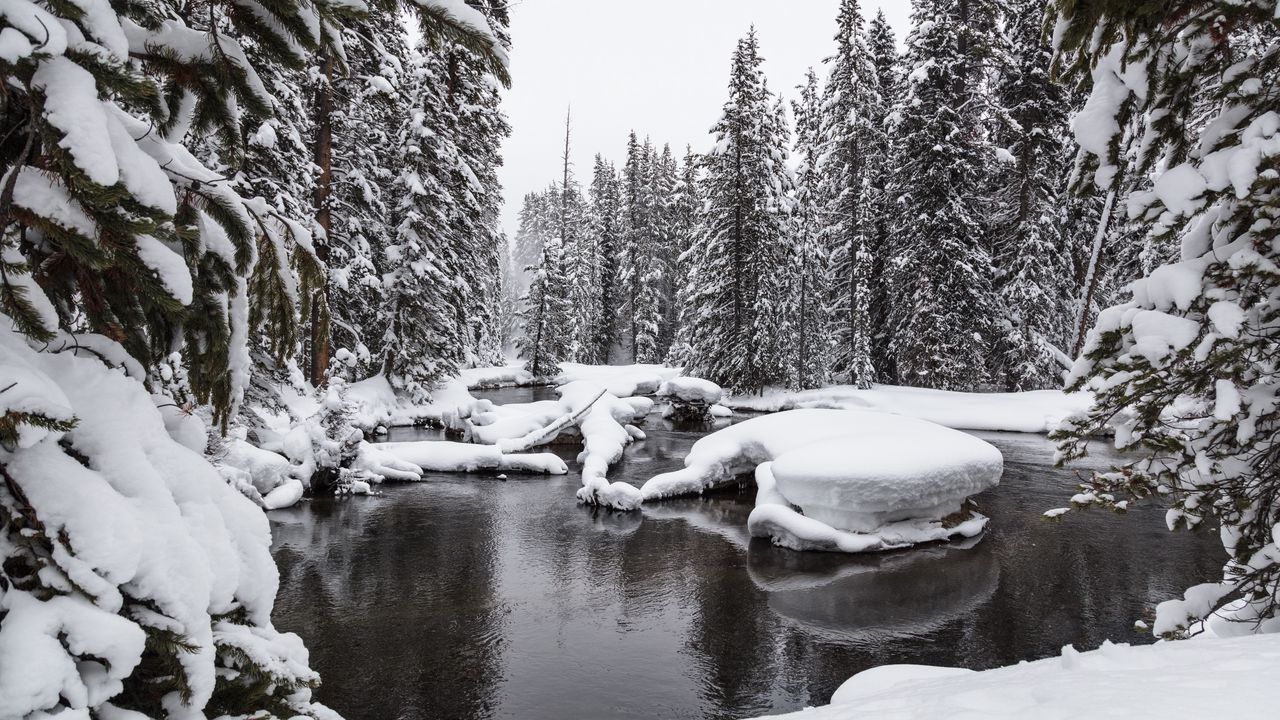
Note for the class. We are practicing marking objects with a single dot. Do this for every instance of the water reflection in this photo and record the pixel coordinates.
(466, 597)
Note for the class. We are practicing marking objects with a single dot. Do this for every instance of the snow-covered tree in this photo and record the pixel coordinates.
(735, 324)
(1030, 255)
(1185, 371)
(685, 207)
(606, 231)
(944, 305)
(853, 140)
(543, 343)
(809, 270)
(642, 263)
(120, 250)
(884, 57)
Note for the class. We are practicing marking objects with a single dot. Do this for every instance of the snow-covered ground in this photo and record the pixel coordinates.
(864, 480)
(1031, 412)
(441, 456)
(1202, 678)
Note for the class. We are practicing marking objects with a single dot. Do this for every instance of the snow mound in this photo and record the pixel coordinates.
(774, 518)
(880, 474)
(619, 380)
(1039, 411)
(691, 390)
(1196, 678)
(864, 481)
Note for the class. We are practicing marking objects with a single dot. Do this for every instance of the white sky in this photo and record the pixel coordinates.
(658, 66)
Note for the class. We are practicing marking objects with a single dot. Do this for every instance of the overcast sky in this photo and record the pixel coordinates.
(658, 66)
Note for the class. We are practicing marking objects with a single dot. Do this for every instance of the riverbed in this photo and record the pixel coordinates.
(467, 597)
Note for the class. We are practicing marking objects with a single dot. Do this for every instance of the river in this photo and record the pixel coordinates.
(467, 597)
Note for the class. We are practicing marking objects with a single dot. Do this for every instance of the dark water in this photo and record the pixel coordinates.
(469, 597)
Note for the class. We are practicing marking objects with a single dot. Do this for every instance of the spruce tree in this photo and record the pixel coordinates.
(809, 271)
(735, 324)
(688, 202)
(1184, 372)
(879, 113)
(543, 343)
(607, 237)
(1030, 254)
(852, 92)
(943, 301)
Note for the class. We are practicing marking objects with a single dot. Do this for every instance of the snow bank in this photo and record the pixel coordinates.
(620, 380)
(114, 532)
(377, 405)
(495, 377)
(865, 481)
(1196, 678)
(439, 456)
(1038, 411)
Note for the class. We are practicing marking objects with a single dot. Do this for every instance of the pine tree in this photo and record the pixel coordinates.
(687, 205)
(809, 271)
(607, 237)
(735, 326)
(851, 92)
(581, 262)
(884, 58)
(543, 344)
(943, 301)
(123, 247)
(1030, 252)
(1184, 372)
(641, 267)
(666, 181)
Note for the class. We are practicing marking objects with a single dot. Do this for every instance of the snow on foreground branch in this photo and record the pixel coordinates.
(864, 481)
(1210, 678)
(133, 576)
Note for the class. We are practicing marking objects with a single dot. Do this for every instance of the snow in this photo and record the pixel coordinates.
(133, 519)
(883, 472)
(494, 377)
(865, 480)
(441, 456)
(72, 106)
(774, 518)
(1030, 412)
(619, 380)
(464, 14)
(287, 494)
(693, 390)
(169, 266)
(1196, 678)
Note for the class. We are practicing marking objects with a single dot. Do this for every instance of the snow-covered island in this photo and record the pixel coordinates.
(862, 480)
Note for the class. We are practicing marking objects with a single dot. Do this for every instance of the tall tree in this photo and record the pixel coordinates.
(607, 239)
(809, 270)
(732, 335)
(943, 300)
(1029, 249)
(852, 92)
(883, 48)
(1184, 372)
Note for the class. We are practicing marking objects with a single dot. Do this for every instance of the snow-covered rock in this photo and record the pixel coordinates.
(1191, 679)
(690, 398)
(865, 481)
(1038, 411)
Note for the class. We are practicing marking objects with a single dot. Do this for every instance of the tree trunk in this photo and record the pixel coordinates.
(323, 156)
